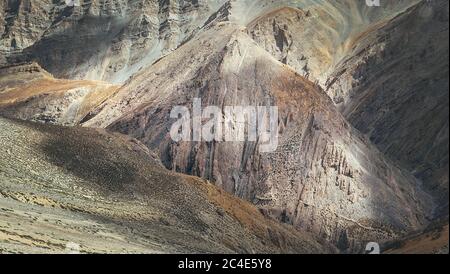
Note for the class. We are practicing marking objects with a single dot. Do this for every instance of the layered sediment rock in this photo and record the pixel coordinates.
(394, 88)
(361, 91)
(98, 40)
(324, 176)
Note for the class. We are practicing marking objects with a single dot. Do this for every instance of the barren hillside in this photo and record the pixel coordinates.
(108, 193)
(362, 130)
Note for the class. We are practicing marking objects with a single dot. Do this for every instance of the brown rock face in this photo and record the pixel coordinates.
(388, 83)
(98, 40)
(313, 37)
(394, 88)
(362, 98)
(324, 176)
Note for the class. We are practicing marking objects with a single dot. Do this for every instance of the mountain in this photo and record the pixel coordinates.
(390, 85)
(113, 39)
(29, 92)
(108, 193)
(97, 40)
(359, 149)
(324, 176)
(313, 36)
(394, 88)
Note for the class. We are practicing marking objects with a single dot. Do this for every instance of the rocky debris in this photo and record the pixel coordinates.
(432, 240)
(324, 177)
(98, 40)
(106, 193)
(313, 36)
(394, 88)
(31, 68)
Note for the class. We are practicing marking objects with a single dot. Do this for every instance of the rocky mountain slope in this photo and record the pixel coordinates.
(108, 193)
(394, 88)
(362, 95)
(97, 40)
(388, 83)
(324, 177)
(313, 36)
(432, 240)
(30, 93)
(111, 40)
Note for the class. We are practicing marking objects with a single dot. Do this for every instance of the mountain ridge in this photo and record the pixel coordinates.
(353, 164)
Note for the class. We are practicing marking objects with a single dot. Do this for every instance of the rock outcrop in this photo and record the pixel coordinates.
(98, 40)
(324, 176)
(314, 36)
(30, 93)
(362, 98)
(107, 193)
(394, 88)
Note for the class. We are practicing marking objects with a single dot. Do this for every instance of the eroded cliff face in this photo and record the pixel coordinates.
(98, 40)
(313, 36)
(393, 87)
(388, 83)
(361, 98)
(111, 40)
(324, 176)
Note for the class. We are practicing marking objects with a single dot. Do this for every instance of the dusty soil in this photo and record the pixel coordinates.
(109, 194)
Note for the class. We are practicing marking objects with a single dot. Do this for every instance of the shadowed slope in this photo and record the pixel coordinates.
(394, 88)
(324, 176)
(98, 40)
(108, 193)
(433, 240)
